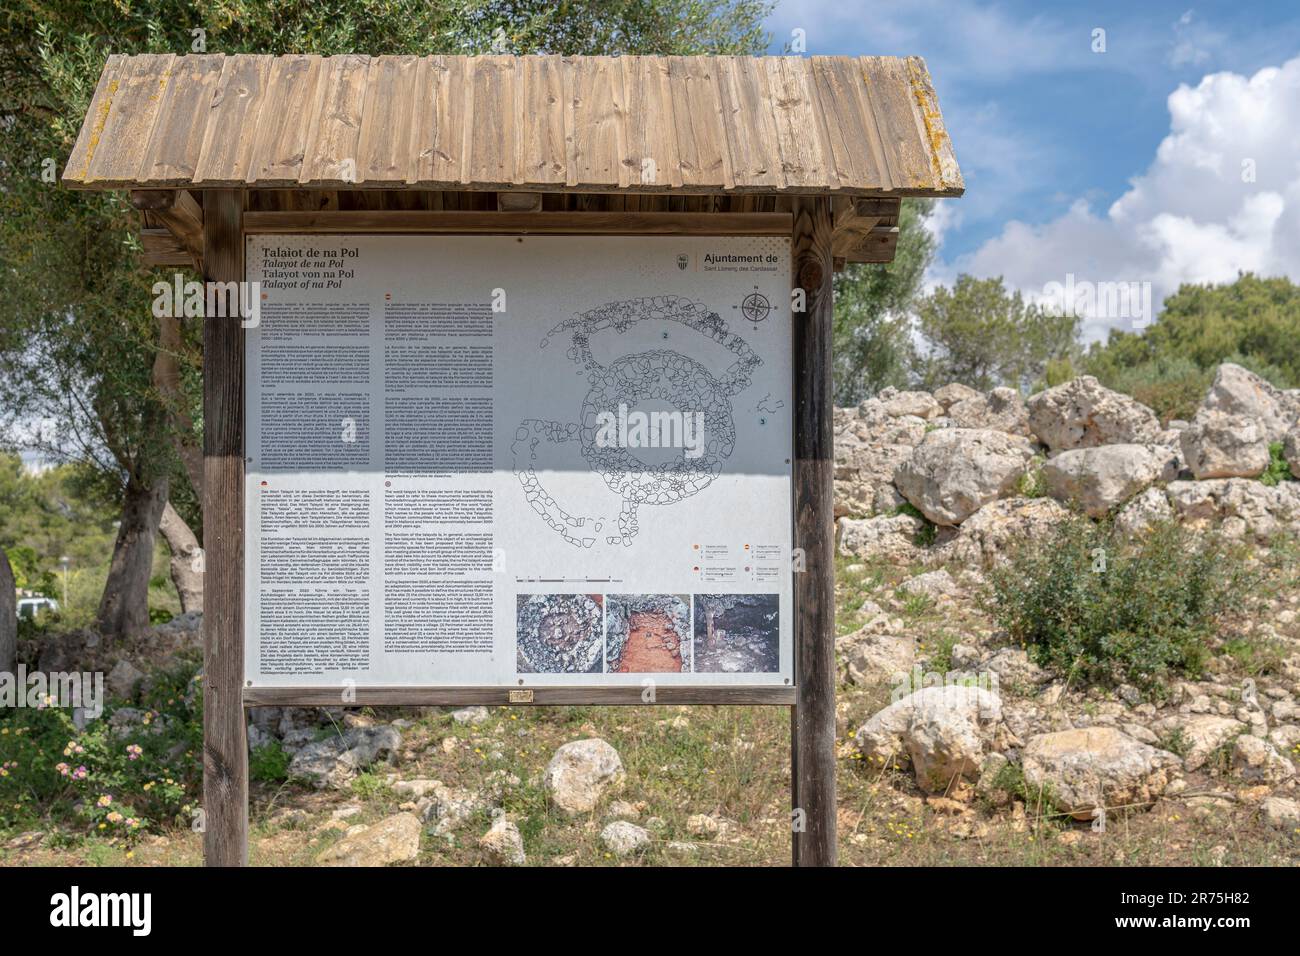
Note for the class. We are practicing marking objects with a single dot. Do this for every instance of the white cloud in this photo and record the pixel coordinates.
(1195, 42)
(1194, 215)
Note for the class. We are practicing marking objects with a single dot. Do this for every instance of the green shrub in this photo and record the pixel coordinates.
(1279, 469)
(928, 531)
(1033, 483)
(1172, 387)
(1099, 607)
(269, 763)
(116, 782)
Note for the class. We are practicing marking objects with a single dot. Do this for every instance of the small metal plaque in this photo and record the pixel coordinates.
(521, 697)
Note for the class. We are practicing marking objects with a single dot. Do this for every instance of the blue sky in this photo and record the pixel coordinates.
(1050, 134)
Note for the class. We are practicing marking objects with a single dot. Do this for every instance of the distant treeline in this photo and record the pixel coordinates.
(979, 333)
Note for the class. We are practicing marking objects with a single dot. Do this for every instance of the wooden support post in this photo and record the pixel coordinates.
(225, 748)
(812, 724)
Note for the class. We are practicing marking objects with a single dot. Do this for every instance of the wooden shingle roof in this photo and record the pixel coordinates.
(867, 126)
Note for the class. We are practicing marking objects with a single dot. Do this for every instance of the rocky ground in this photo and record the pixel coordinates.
(1205, 776)
(709, 786)
(1017, 766)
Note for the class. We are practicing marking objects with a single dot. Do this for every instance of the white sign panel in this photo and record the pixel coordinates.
(505, 461)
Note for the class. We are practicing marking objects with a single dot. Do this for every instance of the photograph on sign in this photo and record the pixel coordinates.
(492, 461)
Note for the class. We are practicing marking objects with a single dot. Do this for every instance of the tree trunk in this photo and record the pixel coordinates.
(8, 617)
(167, 379)
(124, 609)
(187, 566)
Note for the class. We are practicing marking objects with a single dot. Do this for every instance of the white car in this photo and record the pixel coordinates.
(30, 607)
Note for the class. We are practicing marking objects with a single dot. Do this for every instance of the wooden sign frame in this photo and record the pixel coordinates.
(807, 220)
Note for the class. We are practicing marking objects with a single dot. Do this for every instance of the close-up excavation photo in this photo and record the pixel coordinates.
(639, 434)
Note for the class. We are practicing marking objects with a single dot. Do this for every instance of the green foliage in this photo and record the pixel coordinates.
(1033, 483)
(269, 763)
(873, 331)
(907, 508)
(1010, 779)
(370, 786)
(1256, 655)
(1058, 371)
(57, 513)
(118, 782)
(938, 657)
(928, 531)
(1254, 322)
(1098, 607)
(1176, 742)
(1279, 469)
(1172, 386)
(979, 334)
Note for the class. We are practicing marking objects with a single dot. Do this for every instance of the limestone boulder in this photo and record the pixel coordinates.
(1088, 768)
(580, 773)
(503, 843)
(1149, 508)
(1236, 391)
(987, 535)
(1281, 813)
(624, 839)
(873, 655)
(1001, 410)
(869, 445)
(1240, 507)
(954, 392)
(1256, 761)
(1198, 735)
(1083, 413)
(944, 734)
(887, 537)
(898, 404)
(334, 762)
(1101, 478)
(956, 471)
(937, 585)
(1219, 445)
(393, 840)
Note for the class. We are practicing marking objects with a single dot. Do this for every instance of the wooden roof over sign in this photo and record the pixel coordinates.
(853, 126)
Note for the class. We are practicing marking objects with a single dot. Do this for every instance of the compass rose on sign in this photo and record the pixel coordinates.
(755, 307)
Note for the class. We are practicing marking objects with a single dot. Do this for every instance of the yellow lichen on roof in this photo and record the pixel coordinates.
(97, 127)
